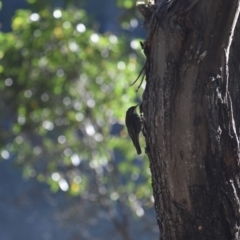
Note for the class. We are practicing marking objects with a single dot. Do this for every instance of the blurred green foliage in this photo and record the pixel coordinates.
(129, 13)
(128, 4)
(64, 91)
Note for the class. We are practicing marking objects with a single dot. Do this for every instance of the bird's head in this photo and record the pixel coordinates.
(132, 109)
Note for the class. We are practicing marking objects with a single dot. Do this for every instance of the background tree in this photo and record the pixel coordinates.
(191, 111)
(64, 91)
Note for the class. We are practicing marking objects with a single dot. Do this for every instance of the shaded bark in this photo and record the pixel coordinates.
(190, 106)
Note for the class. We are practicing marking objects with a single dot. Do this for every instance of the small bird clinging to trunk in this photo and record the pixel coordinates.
(134, 125)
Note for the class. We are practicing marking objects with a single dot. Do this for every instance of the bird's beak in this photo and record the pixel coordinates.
(135, 109)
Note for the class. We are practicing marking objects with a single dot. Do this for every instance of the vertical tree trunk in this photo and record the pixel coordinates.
(189, 124)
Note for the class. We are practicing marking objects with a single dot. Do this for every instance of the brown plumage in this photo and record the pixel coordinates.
(134, 125)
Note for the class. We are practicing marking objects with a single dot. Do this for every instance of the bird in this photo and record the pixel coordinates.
(134, 126)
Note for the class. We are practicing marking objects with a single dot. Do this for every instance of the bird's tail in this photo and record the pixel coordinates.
(138, 148)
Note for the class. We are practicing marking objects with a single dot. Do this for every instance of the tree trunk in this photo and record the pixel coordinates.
(190, 111)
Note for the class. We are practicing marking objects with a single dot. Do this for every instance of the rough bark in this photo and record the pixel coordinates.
(190, 117)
